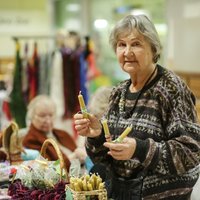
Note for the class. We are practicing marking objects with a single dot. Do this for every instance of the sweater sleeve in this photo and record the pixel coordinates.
(180, 151)
(95, 149)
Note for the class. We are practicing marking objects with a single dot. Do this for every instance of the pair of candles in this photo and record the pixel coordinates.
(107, 132)
(104, 122)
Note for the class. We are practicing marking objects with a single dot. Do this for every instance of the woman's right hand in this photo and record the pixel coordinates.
(89, 127)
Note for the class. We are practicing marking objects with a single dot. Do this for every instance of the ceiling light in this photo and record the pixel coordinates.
(73, 7)
(100, 23)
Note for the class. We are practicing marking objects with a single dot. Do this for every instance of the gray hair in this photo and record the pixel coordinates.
(144, 26)
(34, 103)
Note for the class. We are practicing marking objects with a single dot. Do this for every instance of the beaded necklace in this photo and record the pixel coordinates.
(123, 97)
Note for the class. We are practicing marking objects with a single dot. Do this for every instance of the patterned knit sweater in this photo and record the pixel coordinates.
(167, 134)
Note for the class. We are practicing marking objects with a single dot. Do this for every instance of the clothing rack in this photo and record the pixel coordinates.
(16, 38)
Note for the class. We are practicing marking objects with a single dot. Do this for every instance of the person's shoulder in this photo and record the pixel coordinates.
(117, 89)
(173, 84)
(121, 85)
(170, 78)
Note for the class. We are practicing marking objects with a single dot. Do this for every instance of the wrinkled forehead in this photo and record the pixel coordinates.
(129, 34)
(45, 106)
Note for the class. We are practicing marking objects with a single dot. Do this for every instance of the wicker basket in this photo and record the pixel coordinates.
(12, 144)
(18, 191)
(59, 154)
(94, 194)
(77, 195)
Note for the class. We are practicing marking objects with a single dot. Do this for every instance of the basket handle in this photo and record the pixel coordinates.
(59, 154)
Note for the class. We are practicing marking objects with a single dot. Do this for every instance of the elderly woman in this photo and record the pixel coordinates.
(159, 158)
(41, 114)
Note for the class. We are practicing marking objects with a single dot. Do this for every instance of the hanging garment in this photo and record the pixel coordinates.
(17, 104)
(71, 77)
(33, 74)
(56, 84)
(24, 74)
(44, 73)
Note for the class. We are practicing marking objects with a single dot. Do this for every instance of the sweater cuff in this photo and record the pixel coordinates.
(141, 150)
(97, 141)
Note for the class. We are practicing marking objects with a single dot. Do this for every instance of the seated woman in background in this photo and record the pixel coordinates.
(41, 113)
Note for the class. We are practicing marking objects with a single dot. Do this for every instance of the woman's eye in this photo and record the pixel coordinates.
(121, 44)
(136, 44)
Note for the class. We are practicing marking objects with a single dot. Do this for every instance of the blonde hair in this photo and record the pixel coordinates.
(34, 103)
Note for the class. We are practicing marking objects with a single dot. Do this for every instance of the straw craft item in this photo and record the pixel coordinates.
(12, 144)
(94, 194)
(59, 154)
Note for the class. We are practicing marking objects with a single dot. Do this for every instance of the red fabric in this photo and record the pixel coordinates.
(33, 71)
(6, 110)
(71, 81)
(93, 71)
(35, 138)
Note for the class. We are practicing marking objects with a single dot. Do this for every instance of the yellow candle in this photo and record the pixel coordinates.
(106, 129)
(82, 105)
(124, 134)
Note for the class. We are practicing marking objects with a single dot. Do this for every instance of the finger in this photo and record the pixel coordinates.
(114, 146)
(116, 155)
(116, 150)
(81, 127)
(82, 121)
(83, 131)
(78, 115)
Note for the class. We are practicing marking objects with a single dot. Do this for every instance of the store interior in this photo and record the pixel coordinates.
(48, 24)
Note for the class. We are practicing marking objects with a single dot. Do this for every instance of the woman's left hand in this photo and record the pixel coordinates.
(123, 150)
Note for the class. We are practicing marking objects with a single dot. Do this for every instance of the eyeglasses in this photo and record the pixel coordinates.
(45, 116)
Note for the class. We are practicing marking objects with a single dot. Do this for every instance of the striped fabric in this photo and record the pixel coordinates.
(167, 134)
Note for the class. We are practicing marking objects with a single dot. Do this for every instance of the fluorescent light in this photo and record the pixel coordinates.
(100, 23)
(73, 7)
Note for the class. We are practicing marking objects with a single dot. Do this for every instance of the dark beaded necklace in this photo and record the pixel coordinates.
(122, 100)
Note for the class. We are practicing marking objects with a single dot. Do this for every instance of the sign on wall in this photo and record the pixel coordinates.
(14, 22)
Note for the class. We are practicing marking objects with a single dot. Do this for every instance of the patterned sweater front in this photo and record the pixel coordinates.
(165, 127)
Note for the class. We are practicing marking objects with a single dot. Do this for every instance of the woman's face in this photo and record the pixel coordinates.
(134, 53)
(44, 116)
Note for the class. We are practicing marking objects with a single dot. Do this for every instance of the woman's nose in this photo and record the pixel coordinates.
(128, 51)
(48, 119)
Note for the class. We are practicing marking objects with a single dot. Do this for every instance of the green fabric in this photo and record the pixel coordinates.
(17, 104)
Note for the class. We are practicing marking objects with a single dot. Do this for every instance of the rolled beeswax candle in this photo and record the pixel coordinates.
(82, 105)
(106, 129)
(124, 134)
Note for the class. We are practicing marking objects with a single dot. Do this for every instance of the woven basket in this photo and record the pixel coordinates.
(12, 144)
(83, 195)
(77, 195)
(59, 154)
(18, 191)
